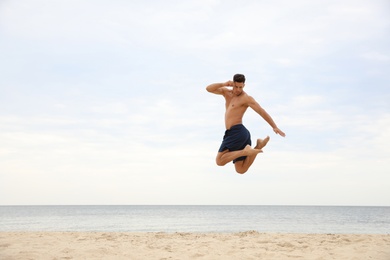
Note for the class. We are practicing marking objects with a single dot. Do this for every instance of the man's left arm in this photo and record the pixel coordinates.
(258, 109)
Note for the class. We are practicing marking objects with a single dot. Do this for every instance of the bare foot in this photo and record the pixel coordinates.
(261, 143)
(252, 151)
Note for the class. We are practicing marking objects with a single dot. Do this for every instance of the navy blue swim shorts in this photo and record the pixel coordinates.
(235, 139)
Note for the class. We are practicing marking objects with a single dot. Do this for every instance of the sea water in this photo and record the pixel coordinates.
(279, 219)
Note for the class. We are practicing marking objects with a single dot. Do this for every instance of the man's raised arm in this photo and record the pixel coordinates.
(218, 88)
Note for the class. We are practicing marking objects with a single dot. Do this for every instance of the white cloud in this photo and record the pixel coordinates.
(110, 108)
(307, 101)
(376, 56)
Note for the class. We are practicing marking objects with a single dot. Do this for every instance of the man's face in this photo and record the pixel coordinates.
(238, 88)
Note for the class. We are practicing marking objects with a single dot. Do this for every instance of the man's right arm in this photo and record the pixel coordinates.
(218, 88)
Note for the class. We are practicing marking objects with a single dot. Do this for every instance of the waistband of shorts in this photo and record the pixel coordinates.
(236, 126)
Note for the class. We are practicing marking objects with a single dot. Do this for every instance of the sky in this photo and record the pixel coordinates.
(104, 102)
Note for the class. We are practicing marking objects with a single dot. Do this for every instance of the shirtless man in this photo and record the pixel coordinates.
(236, 145)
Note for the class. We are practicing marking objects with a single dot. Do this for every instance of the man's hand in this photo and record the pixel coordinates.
(278, 131)
(228, 83)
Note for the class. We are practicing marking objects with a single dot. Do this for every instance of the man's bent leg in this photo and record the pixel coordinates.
(228, 156)
(243, 166)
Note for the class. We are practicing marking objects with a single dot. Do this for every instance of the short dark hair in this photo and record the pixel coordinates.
(239, 78)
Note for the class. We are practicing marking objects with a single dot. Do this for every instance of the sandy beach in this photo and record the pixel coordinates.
(243, 245)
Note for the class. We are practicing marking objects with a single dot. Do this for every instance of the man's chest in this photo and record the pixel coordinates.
(234, 103)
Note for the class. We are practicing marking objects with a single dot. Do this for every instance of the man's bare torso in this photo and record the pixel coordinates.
(235, 108)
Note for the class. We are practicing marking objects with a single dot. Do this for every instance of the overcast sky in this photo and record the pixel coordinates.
(104, 102)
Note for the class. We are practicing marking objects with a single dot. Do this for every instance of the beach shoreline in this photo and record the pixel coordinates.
(180, 245)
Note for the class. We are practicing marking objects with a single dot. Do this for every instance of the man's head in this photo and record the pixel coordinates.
(239, 78)
(238, 84)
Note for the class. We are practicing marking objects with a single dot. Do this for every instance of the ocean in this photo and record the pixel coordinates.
(272, 219)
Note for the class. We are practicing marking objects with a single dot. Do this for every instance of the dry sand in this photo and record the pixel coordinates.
(244, 245)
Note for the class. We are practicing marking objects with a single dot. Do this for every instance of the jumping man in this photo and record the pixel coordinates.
(236, 144)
